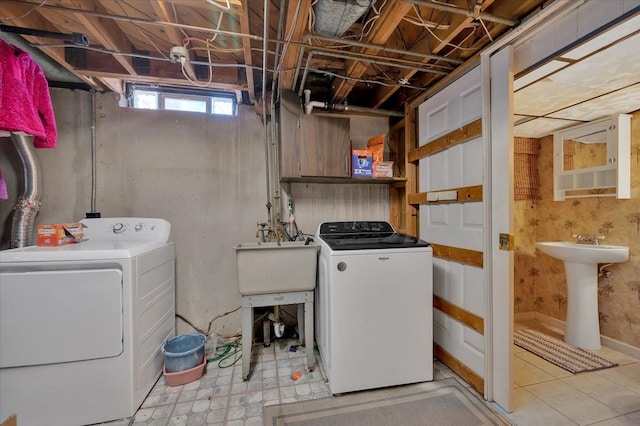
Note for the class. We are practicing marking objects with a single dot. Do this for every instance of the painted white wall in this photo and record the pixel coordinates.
(66, 169)
(206, 175)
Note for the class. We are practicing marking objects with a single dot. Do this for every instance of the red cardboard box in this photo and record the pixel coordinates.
(59, 234)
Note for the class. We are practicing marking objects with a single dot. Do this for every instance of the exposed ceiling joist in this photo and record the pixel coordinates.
(246, 49)
(161, 9)
(391, 52)
(296, 23)
(457, 25)
(384, 26)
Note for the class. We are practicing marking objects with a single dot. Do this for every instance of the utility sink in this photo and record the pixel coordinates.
(584, 253)
(582, 328)
(272, 267)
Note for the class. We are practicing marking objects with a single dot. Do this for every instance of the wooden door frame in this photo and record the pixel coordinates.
(499, 335)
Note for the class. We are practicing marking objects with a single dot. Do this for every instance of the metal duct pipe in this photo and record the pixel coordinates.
(334, 17)
(309, 105)
(51, 69)
(468, 13)
(27, 204)
(75, 38)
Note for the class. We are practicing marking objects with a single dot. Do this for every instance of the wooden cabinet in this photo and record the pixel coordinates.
(290, 113)
(316, 145)
(325, 146)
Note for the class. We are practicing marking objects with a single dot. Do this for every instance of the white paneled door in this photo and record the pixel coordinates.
(455, 226)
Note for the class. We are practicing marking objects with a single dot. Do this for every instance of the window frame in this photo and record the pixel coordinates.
(187, 94)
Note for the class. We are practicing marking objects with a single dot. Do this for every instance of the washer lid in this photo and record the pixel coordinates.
(86, 250)
(365, 235)
(376, 241)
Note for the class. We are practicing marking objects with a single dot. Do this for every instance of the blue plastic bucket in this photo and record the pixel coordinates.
(183, 352)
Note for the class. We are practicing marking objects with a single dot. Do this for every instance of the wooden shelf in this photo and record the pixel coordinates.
(342, 180)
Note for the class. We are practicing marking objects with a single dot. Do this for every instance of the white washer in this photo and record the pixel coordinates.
(374, 306)
(82, 326)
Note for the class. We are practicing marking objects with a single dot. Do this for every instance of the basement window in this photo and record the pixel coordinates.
(215, 103)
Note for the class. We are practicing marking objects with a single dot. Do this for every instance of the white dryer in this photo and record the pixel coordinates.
(82, 326)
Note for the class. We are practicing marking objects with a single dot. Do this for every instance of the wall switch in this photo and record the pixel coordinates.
(442, 196)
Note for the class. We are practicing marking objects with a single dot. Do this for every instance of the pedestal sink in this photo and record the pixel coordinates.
(581, 269)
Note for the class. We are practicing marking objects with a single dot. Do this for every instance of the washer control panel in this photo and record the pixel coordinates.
(354, 227)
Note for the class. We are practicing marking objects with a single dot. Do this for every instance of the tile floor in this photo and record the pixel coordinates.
(543, 393)
(548, 395)
(221, 397)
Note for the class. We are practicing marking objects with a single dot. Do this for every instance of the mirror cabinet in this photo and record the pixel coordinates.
(593, 159)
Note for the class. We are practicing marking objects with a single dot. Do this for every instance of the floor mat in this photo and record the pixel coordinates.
(562, 354)
(442, 402)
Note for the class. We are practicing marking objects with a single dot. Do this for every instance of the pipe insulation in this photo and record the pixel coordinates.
(28, 202)
(334, 17)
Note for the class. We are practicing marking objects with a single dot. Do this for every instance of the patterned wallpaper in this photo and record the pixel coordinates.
(539, 280)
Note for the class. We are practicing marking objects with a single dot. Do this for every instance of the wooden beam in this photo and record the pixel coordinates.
(115, 84)
(461, 315)
(386, 24)
(457, 25)
(246, 47)
(466, 194)
(161, 9)
(299, 23)
(458, 136)
(106, 32)
(457, 254)
(226, 87)
(411, 171)
(36, 20)
(465, 373)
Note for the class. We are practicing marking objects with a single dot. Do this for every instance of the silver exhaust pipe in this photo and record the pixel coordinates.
(28, 203)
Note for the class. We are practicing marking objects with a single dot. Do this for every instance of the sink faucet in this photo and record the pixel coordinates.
(589, 239)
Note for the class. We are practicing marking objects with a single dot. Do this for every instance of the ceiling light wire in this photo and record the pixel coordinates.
(141, 31)
(360, 80)
(455, 46)
(119, 3)
(217, 26)
(216, 4)
(175, 18)
(33, 9)
(371, 21)
(485, 29)
(422, 23)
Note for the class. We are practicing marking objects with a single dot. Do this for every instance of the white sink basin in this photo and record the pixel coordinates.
(584, 253)
(582, 328)
(270, 267)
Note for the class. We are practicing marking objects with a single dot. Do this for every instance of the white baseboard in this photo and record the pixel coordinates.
(559, 324)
